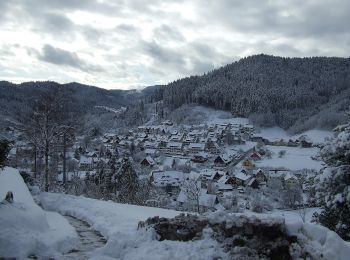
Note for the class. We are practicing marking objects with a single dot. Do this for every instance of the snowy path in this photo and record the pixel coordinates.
(90, 239)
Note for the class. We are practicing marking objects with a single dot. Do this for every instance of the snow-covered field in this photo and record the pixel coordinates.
(118, 223)
(26, 229)
(296, 158)
(315, 135)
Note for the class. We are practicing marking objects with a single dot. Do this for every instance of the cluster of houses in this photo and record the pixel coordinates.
(203, 149)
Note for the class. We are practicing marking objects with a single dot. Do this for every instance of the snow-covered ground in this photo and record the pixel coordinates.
(118, 223)
(296, 158)
(26, 229)
(317, 135)
(273, 133)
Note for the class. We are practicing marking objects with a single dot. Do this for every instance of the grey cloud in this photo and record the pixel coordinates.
(292, 18)
(62, 57)
(126, 28)
(163, 55)
(54, 22)
(166, 32)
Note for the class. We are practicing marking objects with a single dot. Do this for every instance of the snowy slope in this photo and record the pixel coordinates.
(273, 133)
(296, 158)
(317, 135)
(118, 223)
(25, 228)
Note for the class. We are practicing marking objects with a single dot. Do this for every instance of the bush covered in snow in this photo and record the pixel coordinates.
(334, 184)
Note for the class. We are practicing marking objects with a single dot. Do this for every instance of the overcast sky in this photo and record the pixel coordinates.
(135, 43)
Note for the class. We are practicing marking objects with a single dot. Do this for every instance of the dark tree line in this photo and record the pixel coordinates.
(282, 91)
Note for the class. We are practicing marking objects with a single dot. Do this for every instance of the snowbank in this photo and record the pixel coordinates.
(119, 222)
(25, 228)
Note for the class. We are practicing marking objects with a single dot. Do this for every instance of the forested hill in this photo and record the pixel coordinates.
(15, 97)
(289, 92)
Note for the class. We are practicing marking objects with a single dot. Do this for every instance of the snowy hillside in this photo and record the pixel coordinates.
(25, 228)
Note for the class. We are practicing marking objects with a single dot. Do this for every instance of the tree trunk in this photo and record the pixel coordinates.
(64, 161)
(46, 166)
(35, 163)
(198, 205)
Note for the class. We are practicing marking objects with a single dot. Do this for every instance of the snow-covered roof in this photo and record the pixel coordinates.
(150, 151)
(85, 160)
(196, 146)
(242, 176)
(250, 182)
(165, 178)
(174, 145)
(149, 160)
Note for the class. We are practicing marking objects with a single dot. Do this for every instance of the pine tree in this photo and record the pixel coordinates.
(334, 185)
(4, 150)
(127, 183)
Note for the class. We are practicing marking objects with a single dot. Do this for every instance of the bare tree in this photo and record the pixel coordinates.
(192, 189)
(45, 123)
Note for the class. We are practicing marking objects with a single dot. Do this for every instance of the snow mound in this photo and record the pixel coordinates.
(26, 229)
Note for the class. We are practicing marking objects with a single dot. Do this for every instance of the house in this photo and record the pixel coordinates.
(168, 178)
(211, 175)
(148, 162)
(237, 140)
(222, 160)
(200, 158)
(292, 143)
(196, 147)
(205, 201)
(213, 147)
(306, 144)
(150, 145)
(86, 163)
(290, 180)
(93, 154)
(150, 151)
(177, 137)
(260, 176)
(253, 183)
(255, 156)
(174, 148)
(190, 139)
(257, 138)
(241, 178)
(167, 123)
(225, 183)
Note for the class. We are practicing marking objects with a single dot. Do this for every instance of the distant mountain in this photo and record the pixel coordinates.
(293, 93)
(16, 98)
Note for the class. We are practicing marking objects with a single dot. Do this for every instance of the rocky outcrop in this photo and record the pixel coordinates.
(241, 236)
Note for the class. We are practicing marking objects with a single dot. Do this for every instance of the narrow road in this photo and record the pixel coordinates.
(90, 239)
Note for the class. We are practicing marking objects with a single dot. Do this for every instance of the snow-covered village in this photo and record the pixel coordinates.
(174, 145)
